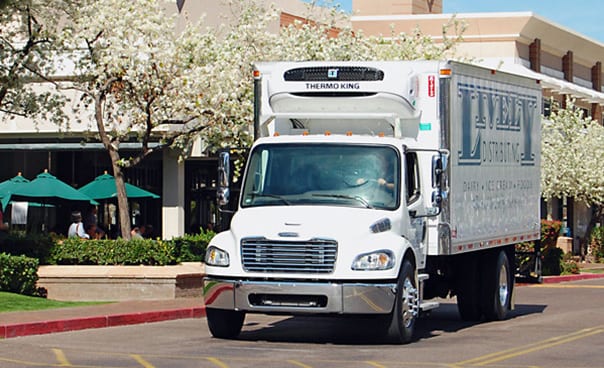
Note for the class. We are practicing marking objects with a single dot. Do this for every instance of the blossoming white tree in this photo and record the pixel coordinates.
(572, 161)
(137, 72)
(27, 32)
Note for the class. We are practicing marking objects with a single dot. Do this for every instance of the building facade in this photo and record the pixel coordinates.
(187, 189)
(567, 63)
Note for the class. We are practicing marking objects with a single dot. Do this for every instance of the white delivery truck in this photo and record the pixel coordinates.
(373, 187)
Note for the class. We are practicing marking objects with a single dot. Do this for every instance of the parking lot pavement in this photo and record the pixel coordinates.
(13, 324)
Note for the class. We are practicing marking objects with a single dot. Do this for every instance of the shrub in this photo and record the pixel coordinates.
(552, 261)
(550, 230)
(569, 265)
(75, 251)
(596, 243)
(18, 274)
(192, 247)
(31, 245)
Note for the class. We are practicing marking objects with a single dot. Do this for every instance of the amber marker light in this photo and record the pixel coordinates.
(445, 72)
(257, 74)
(305, 133)
(381, 134)
(327, 132)
(349, 133)
(276, 134)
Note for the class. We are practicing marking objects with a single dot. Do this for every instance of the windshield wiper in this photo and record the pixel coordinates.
(355, 198)
(285, 201)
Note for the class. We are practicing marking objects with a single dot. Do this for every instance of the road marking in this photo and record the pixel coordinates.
(530, 348)
(376, 365)
(61, 358)
(217, 362)
(299, 364)
(140, 360)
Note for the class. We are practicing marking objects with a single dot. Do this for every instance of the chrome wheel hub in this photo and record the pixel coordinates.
(410, 307)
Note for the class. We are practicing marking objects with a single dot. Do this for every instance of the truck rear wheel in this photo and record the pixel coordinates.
(401, 321)
(224, 324)
(497, 287)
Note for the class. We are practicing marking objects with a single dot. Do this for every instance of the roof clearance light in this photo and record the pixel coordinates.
(445, 72)
(257, 74)
(381, 134)
(276, 134)
(349, 133)
(327, 132)
(305, 132)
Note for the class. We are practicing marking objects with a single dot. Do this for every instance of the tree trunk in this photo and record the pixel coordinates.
(122, 199)
(112, 149)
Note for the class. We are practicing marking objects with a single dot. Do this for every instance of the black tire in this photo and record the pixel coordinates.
(497, 287)
(401, 321)
(469, 303)
(224, 324)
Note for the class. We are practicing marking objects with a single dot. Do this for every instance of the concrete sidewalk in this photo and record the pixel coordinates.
(13, 324)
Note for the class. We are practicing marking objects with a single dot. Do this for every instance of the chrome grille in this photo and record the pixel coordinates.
(313, 256)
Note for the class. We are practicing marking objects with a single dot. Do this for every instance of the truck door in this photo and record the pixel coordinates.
(415, 204)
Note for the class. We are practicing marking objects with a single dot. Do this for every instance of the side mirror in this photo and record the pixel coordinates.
(437, 171)
(224, 175)
(439, 165)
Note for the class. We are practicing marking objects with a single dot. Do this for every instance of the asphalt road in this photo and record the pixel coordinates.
(554, 326)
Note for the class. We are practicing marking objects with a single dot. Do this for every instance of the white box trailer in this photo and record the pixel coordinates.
(373, 187)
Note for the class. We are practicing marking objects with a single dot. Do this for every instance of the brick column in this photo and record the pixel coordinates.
(567, 66)
(596, 76)
(535, 55)
(596, 112)
(596, 82)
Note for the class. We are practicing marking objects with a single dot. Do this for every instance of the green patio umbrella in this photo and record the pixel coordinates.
(46, 188)
(9, 186)
(103, 187)
(12, 184)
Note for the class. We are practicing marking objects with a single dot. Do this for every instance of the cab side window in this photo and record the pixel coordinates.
(412, 177)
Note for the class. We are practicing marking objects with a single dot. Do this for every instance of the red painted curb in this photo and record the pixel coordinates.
(74, 324)
(564, 278)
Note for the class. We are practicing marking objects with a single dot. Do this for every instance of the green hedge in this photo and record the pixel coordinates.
(192, 247)
(75, 251)
(31, 245)
(18, 274)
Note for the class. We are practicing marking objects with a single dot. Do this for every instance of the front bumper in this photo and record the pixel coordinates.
(299, 297)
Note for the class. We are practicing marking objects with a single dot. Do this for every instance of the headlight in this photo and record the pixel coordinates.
(216, 257)
(378, 260)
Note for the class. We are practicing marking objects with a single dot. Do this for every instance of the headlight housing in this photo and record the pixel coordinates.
(375, 261)
(217, 257)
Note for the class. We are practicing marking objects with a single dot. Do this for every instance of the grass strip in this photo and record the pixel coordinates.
(10, 302)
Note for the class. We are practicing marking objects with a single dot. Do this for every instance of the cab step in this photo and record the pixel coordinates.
(424, 306)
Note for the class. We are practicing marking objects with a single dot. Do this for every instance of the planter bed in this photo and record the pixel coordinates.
(118, 283)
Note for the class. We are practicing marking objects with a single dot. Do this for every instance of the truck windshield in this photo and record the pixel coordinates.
(322, 174)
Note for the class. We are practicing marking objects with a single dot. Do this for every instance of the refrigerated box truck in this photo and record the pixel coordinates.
(374, 188)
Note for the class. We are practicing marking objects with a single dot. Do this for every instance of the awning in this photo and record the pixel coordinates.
(557, 85)
(67, 146)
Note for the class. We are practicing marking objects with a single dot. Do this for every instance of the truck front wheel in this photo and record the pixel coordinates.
(401, 321)
(224, 324)
(497, 287)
